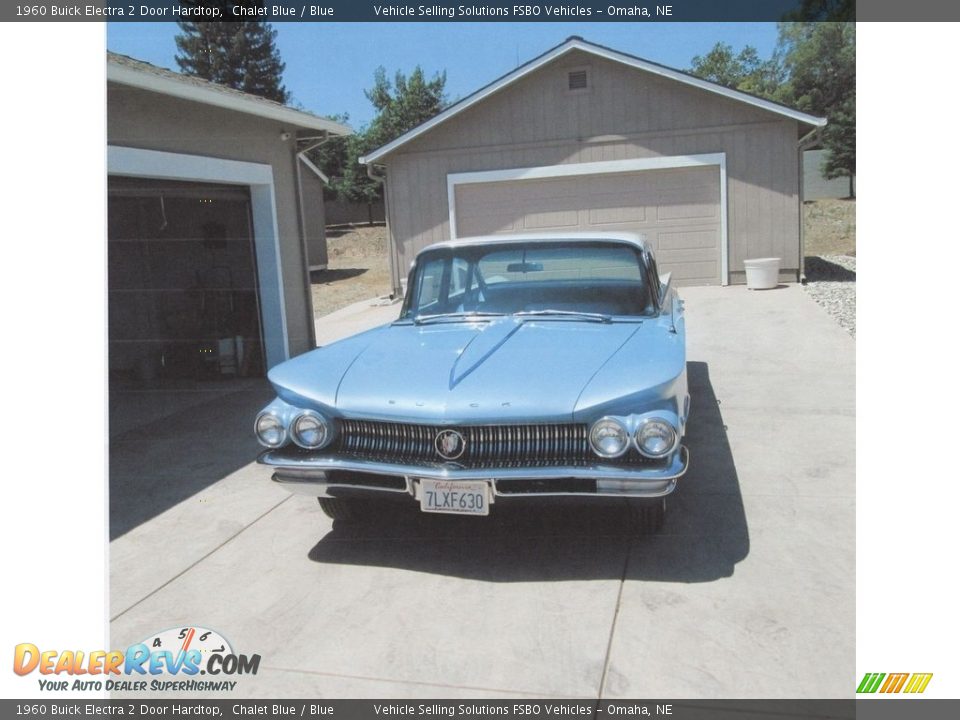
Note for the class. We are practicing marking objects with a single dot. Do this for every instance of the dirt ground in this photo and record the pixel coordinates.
(358, 269)
(830, 227)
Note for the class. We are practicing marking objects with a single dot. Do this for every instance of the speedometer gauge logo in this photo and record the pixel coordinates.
(185, 639)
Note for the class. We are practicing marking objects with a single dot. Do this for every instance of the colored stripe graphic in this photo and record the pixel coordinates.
(894, 682)
(870, 682)
(918, 682)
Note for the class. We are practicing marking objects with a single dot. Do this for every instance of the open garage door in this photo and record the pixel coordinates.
(677, 209)
(183, 304)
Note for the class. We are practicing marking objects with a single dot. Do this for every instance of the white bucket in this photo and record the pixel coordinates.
(762, 273)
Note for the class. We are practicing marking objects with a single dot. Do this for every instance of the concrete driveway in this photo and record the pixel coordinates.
(748, 592)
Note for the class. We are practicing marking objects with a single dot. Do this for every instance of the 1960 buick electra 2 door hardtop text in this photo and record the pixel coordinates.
(520, 367)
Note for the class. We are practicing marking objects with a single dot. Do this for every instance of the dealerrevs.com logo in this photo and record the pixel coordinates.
(894, 683)
(167, 661)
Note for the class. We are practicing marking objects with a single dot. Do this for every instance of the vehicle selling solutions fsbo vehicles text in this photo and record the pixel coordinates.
(449, 11)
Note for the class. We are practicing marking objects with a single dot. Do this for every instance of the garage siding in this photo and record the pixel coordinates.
(629, 114)
(678, 211)
(146, 120)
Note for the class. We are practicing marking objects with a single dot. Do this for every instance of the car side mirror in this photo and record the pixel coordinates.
(669, 303)
(665, 285)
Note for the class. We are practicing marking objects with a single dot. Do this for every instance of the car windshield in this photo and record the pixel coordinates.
(571, 280)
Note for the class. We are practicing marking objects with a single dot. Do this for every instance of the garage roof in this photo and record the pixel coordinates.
(125, 70)
(577, 43)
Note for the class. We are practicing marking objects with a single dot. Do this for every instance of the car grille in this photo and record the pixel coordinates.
(485, 446)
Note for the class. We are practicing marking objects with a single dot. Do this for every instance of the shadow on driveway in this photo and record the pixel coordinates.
(818, 269)
(704, 537)
(164, 462)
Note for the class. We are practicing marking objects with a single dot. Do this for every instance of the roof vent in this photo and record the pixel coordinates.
(577, 80)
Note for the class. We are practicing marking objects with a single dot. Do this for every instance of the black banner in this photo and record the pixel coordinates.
(432, 10)
(481, 10)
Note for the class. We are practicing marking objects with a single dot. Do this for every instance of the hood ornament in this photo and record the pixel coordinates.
(450, 444)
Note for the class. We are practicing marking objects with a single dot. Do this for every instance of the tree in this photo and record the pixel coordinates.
(401, 105)
(241, 55)
(349, 181)
(405, 104)
(743, 71)
(812, 69)
(820, 60)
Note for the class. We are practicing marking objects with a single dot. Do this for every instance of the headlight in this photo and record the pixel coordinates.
(310, 430)
(270, 430)
(608, 438)
(656, 437)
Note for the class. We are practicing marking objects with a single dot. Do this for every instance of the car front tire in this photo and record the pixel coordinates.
(347, 510)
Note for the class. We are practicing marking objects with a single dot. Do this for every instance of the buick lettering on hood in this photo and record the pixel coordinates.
(520, 367)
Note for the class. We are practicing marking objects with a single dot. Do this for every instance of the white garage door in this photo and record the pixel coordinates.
(677, 209)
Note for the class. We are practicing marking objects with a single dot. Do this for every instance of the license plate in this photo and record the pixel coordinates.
(461, 497)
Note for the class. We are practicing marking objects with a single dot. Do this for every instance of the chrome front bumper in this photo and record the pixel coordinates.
(309, 476)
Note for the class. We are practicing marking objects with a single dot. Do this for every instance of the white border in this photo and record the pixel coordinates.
(133, 162)
(602, 168)
(607, 54)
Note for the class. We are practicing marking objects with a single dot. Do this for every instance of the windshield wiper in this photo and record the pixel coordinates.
(593, 317)
(421, 319)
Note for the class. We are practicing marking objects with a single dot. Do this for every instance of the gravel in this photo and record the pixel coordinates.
(832, 283)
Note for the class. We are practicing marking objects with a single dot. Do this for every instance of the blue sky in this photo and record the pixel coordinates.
(330, 64)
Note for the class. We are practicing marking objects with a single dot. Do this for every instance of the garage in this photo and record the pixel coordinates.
(183, 304)
(213, 219)
(588, 138)
(678, 210)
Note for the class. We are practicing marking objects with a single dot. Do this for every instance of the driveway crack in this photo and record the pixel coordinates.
(613, 625)
(202, 558)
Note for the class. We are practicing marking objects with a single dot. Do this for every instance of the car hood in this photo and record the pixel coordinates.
(508, 369)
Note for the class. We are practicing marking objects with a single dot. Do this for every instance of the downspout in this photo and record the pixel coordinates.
(395, 278)
(300, 157)
(808, 141)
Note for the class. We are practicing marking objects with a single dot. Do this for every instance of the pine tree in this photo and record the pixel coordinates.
(240, 55)
(261, 66)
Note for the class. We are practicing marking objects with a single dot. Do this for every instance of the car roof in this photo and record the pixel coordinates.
(634, 239)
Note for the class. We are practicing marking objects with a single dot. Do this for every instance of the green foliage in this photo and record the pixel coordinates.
(743, 71)
(240, 55)
(401, 105)
(840, 138)
(348, 178)
(820, 60)
(404, 104)
(812, 69)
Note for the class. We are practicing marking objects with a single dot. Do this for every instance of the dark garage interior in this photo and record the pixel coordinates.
(183, 306)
